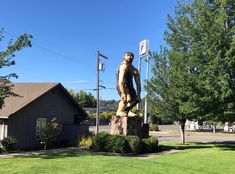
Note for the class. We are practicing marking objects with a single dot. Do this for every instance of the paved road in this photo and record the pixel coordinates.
(172, 133)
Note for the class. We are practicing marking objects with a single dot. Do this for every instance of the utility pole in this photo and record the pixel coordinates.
(99, 67)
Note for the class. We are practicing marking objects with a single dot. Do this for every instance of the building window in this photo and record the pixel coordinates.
(40, 123)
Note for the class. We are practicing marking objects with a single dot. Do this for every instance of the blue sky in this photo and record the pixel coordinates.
(68, 33)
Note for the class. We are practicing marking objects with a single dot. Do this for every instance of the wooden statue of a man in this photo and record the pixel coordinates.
(129, 98)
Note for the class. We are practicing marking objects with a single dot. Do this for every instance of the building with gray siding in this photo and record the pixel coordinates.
(23, 115)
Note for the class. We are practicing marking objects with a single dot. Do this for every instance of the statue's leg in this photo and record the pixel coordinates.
(121, 106)
(130, 105)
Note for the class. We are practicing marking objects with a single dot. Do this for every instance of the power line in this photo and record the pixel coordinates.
(61, 55)
(52, 52)
(93, 89)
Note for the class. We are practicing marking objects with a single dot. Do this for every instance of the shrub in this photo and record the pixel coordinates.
(147, 148)
(85, 142)
(153, 127)
(150, 145)
(153, 143)
(120, 144)
(49, 133)
(106, 116)
(99, 142)
(92, 116)
(8, 143)
(135, 144)
(117, 144)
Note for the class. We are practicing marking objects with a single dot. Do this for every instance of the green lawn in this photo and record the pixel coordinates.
(190, 159)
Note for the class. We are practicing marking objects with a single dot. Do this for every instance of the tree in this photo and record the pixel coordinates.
(111, 105)
(194, 76)
(48, 134)
(83, 98)
(72, 92)
(169, 89)
(6, 59)
(211, 48)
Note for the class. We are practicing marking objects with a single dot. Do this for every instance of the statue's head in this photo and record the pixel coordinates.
(128, 57)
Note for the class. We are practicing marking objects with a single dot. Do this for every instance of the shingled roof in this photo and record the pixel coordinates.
(27, 92)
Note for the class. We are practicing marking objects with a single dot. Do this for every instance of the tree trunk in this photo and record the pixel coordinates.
(182, 130)
(214, 128)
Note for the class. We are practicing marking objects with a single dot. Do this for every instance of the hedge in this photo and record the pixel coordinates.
(123, 144)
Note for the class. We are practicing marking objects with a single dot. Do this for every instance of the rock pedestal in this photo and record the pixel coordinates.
(128, 126)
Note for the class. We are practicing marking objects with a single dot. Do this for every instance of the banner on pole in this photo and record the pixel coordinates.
(144, 47)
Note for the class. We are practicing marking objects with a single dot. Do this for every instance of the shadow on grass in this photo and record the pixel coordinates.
(184, 146)
(82, 153)
(79, 153)
(226, 145)
(64, 154)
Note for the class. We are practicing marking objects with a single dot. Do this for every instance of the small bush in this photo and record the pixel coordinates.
(147, 148)
(121, 144)
(8, 143)
(153, 127)
(49, 133)
(135, 144)
(100, 141)
(150, 145)
(154, 143)
(85, 142)
(92, 116)
(106, 116)
(117, 144)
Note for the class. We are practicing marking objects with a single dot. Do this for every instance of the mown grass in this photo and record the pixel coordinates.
(189, 159)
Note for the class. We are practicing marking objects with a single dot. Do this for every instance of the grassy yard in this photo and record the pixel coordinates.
(189, 159)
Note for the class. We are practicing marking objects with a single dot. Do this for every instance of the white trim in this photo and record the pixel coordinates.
(1, 132)
(6, 117)
(5, 131)
(2, 126)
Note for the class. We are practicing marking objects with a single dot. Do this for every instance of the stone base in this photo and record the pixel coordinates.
(128, 126)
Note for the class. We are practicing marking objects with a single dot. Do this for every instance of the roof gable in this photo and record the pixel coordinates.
(28, 92)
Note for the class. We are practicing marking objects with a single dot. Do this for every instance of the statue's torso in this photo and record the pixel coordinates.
(128, 79)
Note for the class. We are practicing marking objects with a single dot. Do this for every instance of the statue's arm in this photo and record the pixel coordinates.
(136, 75)
(121, 80)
